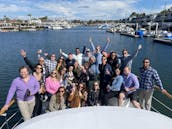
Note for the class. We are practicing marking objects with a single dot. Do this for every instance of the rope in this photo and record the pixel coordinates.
(162, 104)
(165, 93)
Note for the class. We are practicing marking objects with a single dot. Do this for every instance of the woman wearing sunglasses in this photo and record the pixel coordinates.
(57, 101)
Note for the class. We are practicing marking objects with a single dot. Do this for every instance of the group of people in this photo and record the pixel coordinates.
(88, 78)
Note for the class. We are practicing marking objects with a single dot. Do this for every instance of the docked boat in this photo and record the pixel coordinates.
(163, 40)
(129, 34)
(104, 26)
(165, 37)
(111, 30)
(56, 27)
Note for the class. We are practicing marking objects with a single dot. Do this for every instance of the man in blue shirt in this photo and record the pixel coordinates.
(148, 76)
(130, 85)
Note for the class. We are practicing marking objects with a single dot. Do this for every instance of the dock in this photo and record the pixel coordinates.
(130, 35)
(163, 40)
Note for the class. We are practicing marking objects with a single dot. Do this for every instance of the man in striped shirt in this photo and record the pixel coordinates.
(148, 76)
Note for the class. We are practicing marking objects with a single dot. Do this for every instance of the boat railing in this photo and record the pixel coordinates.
(6, 123)
(164, 105)
(167, 94)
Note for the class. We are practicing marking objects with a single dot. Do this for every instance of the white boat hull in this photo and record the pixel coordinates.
(99, 118)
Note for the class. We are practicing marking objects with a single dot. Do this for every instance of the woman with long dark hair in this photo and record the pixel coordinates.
(57, 101)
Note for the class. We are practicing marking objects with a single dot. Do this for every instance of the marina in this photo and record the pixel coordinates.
(57, 40)
(86, 64)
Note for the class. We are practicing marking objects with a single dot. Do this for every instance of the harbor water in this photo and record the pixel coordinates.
(51, 41)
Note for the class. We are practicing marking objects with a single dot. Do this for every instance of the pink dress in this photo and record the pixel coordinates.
(51, 85)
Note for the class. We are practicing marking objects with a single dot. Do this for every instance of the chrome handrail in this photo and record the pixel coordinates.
(7, 120)
(155, 109)
(157, 100)
(18, 122)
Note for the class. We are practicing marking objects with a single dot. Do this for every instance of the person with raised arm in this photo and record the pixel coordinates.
(77, 56)
(97, 52)
(41, 61)
(70, 60)
(25, 87)
(126, 59)
(98, 46)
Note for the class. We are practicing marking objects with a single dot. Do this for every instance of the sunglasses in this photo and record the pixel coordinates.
(53, 73)
(146, 62)
(81, 86)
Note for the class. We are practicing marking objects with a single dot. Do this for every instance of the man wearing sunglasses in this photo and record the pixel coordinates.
(148, 76)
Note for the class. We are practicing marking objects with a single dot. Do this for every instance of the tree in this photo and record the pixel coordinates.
(43, 19)
(133, 14)
(6, 18)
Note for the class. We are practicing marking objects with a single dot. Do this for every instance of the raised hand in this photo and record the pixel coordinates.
(45, 54)
(23, 53)
(139, 47)
(108, 40)
(39, 51)
(90, 40)
(60, 51)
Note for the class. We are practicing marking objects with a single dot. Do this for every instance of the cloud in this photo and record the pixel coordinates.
(84, 6)
(166, 6)
(13, 8)
(89, 9)
(78, 9)
(156, 10)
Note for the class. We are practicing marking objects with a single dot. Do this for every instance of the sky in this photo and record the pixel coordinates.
(80, 9)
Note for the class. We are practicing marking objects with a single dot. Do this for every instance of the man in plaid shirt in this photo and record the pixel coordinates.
(52, 63)
(148, 76)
